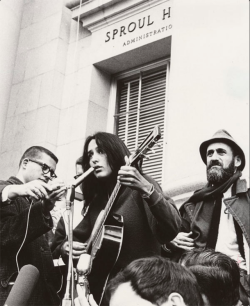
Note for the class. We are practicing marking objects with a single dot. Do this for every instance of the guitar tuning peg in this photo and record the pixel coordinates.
(152, 150)
(145, 156)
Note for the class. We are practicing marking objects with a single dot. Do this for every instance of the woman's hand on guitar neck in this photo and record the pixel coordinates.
(78, 249)
(131, 177)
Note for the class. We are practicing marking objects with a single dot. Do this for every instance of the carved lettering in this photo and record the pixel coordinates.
(108, 37)
(133, 27)
(141, 26)
(166, 13)
(115, 31)
(149, 23)
(138, 24)
(122, 30)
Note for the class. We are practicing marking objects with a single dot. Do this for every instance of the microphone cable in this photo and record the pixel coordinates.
(25, 236)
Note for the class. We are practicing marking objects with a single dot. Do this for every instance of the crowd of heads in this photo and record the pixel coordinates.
(202, 277)
(156, 280)
(217, 274)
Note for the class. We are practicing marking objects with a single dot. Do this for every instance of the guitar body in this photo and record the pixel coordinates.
(105, 252)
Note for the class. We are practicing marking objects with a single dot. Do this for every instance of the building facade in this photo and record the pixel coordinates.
(72, 68)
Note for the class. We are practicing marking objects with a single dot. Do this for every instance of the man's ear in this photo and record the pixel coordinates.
(174, 299)
(237, 161)
(24, 163)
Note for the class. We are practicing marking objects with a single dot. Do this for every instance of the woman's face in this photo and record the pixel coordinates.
(99, 161)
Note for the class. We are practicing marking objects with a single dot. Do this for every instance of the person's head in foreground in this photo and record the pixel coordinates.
(154, 281)
(217, 274)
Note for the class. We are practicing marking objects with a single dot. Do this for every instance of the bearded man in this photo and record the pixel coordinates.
(217, 216)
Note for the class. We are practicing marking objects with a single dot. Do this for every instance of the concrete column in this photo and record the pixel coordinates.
(10, 16)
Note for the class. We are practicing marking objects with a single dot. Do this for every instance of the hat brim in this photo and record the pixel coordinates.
(237, 148)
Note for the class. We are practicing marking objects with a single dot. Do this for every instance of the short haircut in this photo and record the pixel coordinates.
(217, 274)
(35, 151)
(155, 278)
(79, 160)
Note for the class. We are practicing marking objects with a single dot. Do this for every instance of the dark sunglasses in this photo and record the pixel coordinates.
(45, 168)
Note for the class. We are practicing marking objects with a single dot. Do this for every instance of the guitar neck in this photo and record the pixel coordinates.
(100, 222)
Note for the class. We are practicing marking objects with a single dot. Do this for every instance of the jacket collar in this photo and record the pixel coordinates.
(14, 180)
(241, 186)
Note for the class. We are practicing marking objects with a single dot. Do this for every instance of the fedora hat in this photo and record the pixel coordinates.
(225, 137)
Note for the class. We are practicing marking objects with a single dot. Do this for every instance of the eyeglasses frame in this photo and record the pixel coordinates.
(52, 175)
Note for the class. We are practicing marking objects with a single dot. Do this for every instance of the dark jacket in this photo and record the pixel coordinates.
(147, 224)
(35, 250)
(195, 220)
(238, 206)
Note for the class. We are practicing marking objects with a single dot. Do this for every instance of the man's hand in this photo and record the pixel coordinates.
(131, 177)
(78, 249)
(57, 190)
(183, 241)
(39, 190)
(82, 300)
(36, 189)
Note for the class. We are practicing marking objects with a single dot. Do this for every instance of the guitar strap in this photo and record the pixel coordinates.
(118, 201)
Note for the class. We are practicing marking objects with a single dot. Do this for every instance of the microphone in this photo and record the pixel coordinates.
(78, 181)
(23, 287)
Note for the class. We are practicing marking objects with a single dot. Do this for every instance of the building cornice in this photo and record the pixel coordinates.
(74, 3)
(96, 15)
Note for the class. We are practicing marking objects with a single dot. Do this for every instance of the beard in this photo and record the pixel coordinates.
(218, 176)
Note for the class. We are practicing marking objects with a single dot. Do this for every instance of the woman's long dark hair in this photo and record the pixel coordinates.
(115, 149)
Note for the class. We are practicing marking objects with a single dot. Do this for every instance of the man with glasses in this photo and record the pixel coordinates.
(25, 204)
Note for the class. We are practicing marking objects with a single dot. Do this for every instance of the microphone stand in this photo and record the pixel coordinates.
(68, 299)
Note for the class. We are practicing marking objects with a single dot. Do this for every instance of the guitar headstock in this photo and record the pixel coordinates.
(152, 138)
